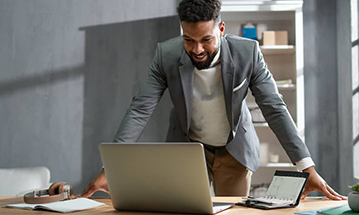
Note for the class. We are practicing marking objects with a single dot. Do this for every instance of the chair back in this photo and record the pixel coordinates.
(18, 181)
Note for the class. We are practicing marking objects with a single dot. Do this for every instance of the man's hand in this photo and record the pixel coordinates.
(315, 182)
(98, 184)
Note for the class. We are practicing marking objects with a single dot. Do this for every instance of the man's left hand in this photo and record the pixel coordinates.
(317, 183)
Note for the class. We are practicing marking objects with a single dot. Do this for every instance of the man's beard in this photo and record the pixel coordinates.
(205, 64)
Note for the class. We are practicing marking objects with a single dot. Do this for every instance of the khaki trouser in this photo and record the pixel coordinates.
(228, 176)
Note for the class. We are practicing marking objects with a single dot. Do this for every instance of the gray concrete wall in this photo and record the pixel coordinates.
(345, 99)
(68, 71)
(327, 90)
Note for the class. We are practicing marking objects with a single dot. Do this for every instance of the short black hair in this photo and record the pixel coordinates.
(199, 10)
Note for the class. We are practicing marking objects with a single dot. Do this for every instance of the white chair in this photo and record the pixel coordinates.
(18, 181)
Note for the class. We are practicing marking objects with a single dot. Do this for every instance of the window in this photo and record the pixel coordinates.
(355, 83)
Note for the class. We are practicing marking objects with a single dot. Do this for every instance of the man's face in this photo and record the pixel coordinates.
(201, 41)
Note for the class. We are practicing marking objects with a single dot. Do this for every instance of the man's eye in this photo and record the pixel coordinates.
(207, 40)
(188, 40)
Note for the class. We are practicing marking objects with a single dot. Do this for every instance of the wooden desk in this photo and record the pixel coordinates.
(305, 205)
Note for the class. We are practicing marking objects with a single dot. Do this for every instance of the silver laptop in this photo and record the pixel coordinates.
(161, 177)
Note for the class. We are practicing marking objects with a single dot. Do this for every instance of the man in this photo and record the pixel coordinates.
(208, 75)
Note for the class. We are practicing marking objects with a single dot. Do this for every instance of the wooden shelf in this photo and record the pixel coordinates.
(286, 86)
(278, 50)
(261, 124)
(255, 6)
(278, 165)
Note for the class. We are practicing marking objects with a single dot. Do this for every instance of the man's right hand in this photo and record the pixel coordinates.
(98, 184)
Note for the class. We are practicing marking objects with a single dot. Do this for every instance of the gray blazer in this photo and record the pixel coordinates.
(243, 67)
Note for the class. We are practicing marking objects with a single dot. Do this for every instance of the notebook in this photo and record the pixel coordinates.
(284, 191)
(61, 206)
(158, 177)
(344, 209)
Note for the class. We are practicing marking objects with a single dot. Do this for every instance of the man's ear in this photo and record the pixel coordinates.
(222, 27)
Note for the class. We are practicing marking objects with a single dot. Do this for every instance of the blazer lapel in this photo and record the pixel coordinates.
(228, 78)
(186, 74)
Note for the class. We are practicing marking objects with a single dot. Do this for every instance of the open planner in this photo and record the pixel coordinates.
(284, 191)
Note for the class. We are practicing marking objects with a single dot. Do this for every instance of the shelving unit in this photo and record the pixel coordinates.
(285, 63)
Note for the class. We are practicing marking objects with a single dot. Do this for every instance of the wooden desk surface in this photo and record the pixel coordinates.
(311, 203)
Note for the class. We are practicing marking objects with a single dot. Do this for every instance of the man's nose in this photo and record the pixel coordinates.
(198, 48)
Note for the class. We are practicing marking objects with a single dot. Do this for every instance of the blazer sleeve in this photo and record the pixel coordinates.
(143, 105)
(265, 92)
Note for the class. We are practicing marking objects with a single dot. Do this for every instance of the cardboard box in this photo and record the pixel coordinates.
(272, 38)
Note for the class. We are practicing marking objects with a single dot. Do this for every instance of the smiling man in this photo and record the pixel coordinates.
(202, 50)
(208, 75)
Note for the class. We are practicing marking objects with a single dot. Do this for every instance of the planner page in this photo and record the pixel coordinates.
(284, 189)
